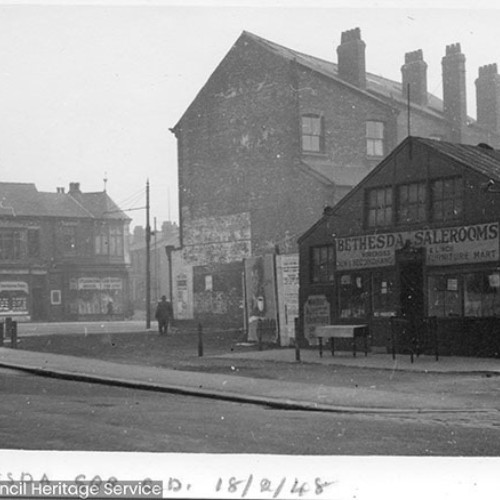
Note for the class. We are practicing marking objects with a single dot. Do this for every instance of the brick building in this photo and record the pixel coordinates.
(417, 238)
(275, 135)
(63, 256)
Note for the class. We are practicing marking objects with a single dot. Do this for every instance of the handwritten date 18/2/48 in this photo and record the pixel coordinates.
(242, 487)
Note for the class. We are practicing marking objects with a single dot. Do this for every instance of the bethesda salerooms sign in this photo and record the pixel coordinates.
(444, 246)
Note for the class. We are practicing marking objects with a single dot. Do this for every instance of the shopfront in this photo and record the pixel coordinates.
(397, 257)
(93, 296)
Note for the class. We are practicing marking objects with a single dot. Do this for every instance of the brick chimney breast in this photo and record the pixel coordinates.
(351, 58)
(454, 90)
(414, 74)
(488, 97)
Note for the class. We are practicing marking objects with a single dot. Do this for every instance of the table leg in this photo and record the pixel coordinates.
(332, 345)
(354, 345)
(320, 340)
(366, 344)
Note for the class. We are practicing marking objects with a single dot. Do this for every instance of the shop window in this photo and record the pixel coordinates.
(312, 134)
(374, 138)
(412, 203)
(481, 294)
(322, 264)
(447, 199)
(379, 207)
(444, 296)
(383, 294)
(353, 296)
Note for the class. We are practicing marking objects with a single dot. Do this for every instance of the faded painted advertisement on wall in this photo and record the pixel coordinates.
(182, 287)
(260, 290)
(217, 240)
(444, 246)
(288, 295)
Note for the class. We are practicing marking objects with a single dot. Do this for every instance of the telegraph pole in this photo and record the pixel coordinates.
(148, 263)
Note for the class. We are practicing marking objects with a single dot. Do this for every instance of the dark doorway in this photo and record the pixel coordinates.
(411, 289)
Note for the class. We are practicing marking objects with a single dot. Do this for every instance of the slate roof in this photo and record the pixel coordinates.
(23, 199)
(377, 86)
(481, 158)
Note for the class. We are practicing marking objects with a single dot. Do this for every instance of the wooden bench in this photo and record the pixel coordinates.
(333, 332)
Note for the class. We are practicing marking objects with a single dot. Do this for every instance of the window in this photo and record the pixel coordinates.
(33, 243)
(374, 138)
(322, 264)
(109, 240)
(412, 203)
(312, 134)
(69, 240)
(445, 295)
(11, 247)
(353, 296)
(481, 294)
(55, 297)
(116, 241)
(379, 205)
(447, 199)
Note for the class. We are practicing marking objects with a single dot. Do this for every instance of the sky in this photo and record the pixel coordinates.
(89, 91)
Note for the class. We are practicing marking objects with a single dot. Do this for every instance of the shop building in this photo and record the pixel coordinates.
(418, 238)
(63, 255)
(275, 135)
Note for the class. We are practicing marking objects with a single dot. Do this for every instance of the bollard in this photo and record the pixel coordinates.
(200, 340)
(1, 334)
(297, 345)
(8, 327)
(13, 335)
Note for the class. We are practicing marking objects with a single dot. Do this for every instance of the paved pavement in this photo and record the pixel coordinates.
(275, 393)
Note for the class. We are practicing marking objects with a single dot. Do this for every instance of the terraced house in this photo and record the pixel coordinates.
(276, 135)
(63, 256)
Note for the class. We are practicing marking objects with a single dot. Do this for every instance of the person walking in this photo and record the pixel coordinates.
(163, 315)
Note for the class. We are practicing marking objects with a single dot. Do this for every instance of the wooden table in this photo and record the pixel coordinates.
(333, 332)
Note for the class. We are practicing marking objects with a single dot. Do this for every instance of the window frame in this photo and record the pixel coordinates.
(320, 136)
(369, 208)
(375, 139)
(322, 271)
(419, 204)
(453, 199)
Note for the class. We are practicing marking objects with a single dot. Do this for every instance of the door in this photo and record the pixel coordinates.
(38, 304)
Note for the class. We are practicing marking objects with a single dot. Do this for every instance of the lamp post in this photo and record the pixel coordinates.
(148, 262)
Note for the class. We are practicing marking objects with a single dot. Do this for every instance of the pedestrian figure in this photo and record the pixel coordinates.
(163, 315)
(110, 309)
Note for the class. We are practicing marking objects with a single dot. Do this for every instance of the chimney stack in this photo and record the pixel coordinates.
(74, 188)
(488, 97)
(414, 74)
(351, 58)
(454, 90)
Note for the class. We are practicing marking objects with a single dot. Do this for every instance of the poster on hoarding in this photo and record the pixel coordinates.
(260, 287)
(288, 295)
(316, 313)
